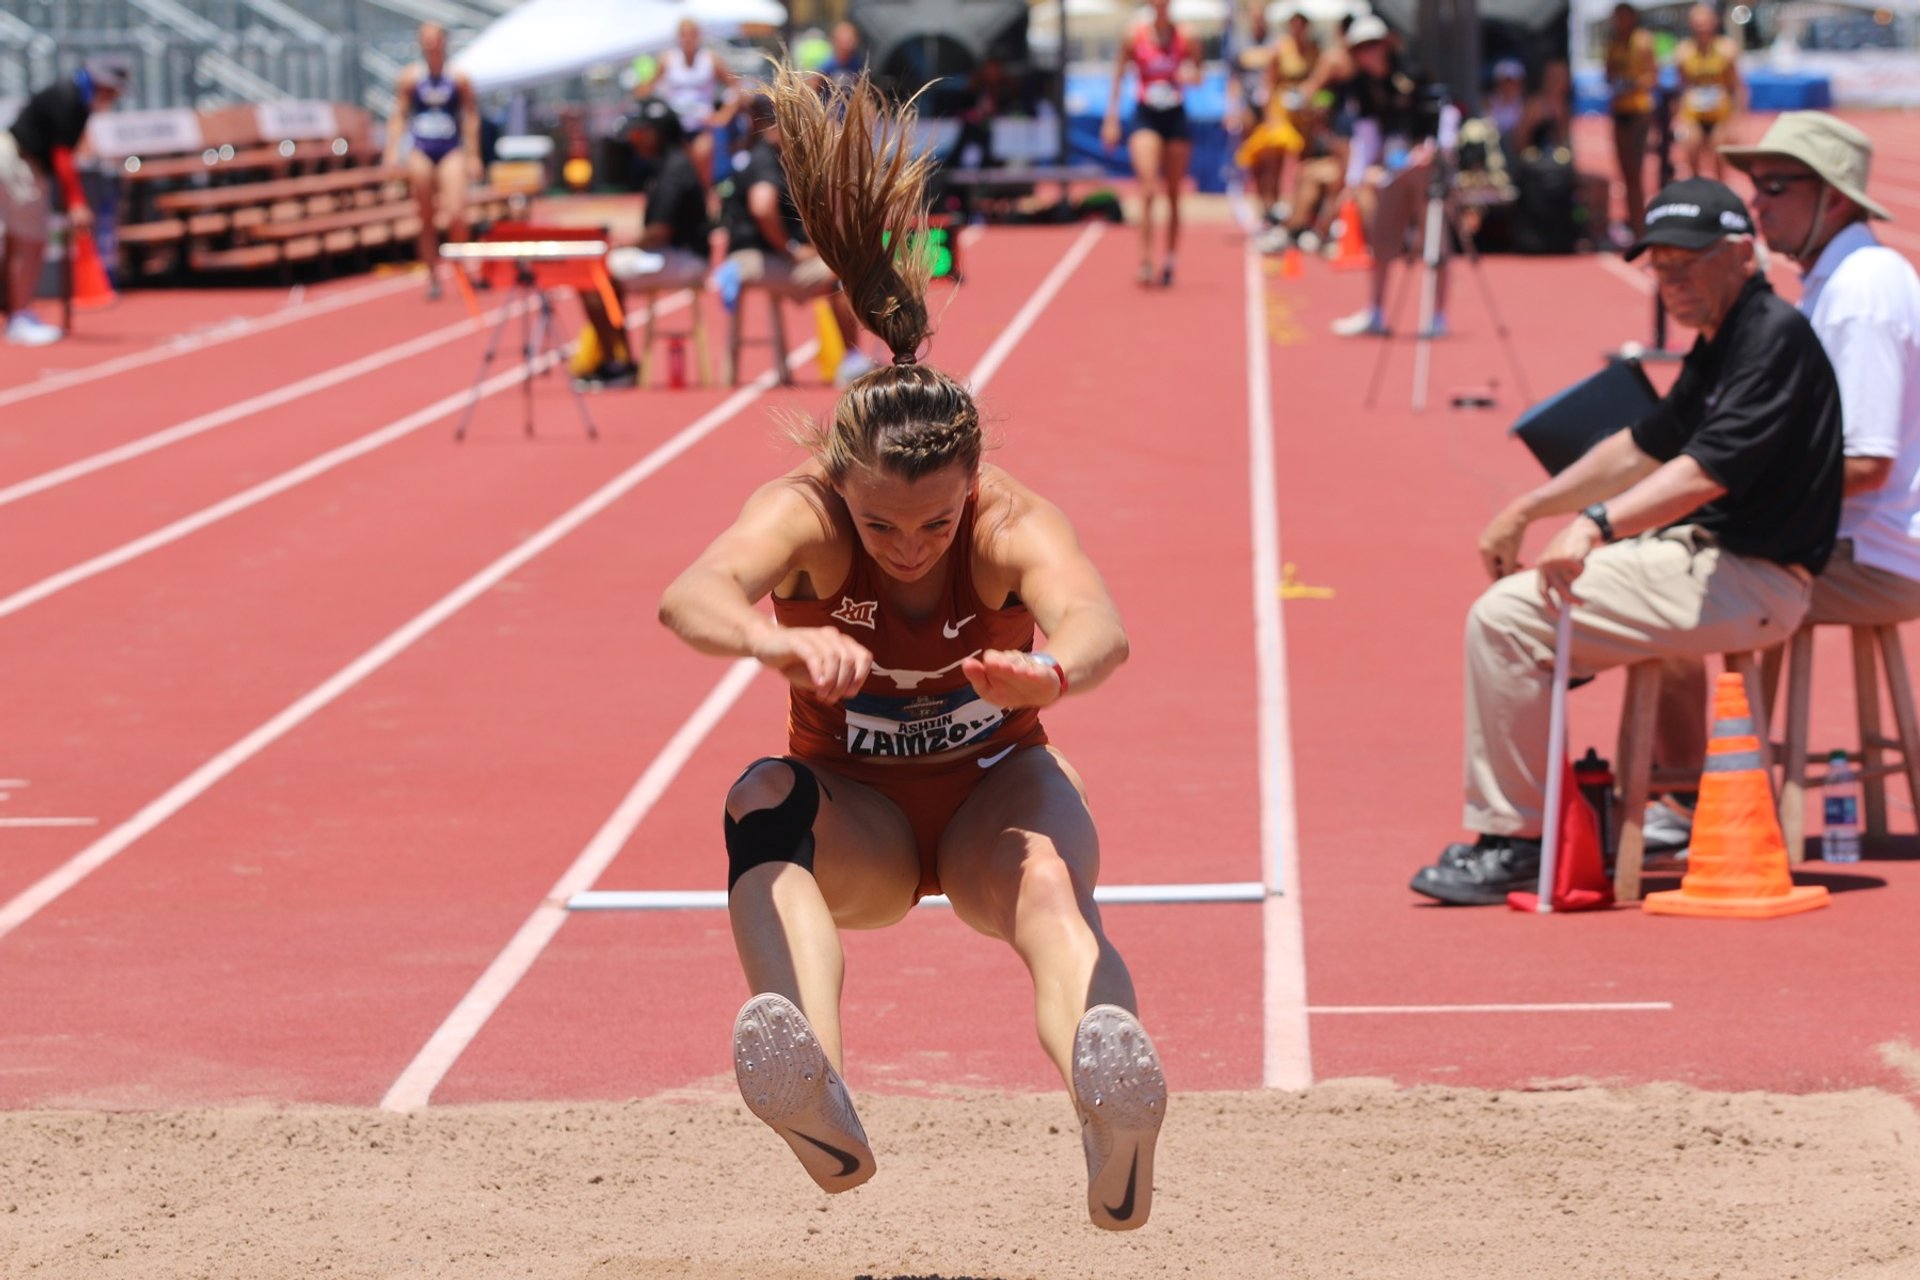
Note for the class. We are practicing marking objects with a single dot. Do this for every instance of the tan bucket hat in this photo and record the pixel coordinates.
(1832, 148)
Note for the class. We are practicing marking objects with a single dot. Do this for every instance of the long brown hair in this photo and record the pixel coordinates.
(861, 192)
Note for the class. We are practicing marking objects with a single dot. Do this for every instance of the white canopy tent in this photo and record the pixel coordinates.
(544, 40)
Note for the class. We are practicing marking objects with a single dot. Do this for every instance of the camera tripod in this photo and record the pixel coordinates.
(1441, 219)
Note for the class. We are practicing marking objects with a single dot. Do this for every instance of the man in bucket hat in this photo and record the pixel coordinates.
(1696, 530)
(1810, 200)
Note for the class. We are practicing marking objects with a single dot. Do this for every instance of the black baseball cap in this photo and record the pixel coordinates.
(1693, 213)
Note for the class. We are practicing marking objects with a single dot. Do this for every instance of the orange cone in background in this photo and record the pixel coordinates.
(1350, 251)
(1579, 879)
(91, 288)
(1737, 867)
(1292, 263)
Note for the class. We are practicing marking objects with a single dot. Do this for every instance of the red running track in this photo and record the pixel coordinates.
(299, 929)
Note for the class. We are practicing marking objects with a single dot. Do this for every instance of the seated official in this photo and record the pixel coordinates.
(767, 246)
(672, 252)
(1810, 199)
(1700, 530)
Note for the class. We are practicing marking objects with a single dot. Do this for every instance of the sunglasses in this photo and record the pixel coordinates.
(1778, 184)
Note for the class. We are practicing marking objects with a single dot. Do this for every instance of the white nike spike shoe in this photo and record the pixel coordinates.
(1122, 1095)
(787, 1081)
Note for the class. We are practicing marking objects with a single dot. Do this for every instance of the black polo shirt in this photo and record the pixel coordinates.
(676, 200)
(54, 117)
(1759, 410)
(759, 164)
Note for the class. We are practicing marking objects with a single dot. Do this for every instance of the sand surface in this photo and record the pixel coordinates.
(1349, 1179)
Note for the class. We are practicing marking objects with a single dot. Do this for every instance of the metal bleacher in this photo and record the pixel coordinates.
(204, 53)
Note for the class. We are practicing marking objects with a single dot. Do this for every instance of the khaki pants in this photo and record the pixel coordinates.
(1667, 594)
(1860, 595)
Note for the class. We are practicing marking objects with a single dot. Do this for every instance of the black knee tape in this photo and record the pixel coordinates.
(783, 833)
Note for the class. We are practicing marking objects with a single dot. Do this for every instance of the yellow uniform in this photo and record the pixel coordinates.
(1279, 132)
(1706, 81)
(1632, 69)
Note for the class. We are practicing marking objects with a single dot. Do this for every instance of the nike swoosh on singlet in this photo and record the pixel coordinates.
(987, 762)
(1124, 1210)
(849, 1163)
(952, 630)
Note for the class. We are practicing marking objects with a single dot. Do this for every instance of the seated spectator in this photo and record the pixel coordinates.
(672, 251)
(766, 244)
(1699, 530)
(1507, 101)
(1810, 199)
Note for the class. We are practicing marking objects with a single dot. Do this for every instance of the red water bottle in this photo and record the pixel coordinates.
(1594, 777)
(676, 362)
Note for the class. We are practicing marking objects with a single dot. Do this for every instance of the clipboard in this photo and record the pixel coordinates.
(1561, 428)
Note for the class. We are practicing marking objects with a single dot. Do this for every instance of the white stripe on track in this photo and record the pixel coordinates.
(244, 409)
(253, 497)
(1620, 1006)
(187, 344)
(37, 896)
(169, 534)
(416, 1084)
(1286, 1051)
(1106, 895)
(414, 1089)
(48, 822)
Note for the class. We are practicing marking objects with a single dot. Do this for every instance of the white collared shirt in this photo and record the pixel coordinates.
(1864, 302)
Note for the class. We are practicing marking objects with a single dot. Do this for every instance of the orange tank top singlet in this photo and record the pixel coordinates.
(915, 703)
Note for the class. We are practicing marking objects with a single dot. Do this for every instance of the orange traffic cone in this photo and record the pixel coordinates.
(1293, 263)
(1350, 251)
(91, 288)
(1737, 867)
(1579, 880)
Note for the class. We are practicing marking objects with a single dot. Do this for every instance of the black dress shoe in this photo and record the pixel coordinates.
(1481, 874)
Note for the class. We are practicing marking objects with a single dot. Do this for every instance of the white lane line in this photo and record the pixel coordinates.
(166, 535)
(416, 1084)
(1286, 1050)
(1634, 278)
(49, 822)
(1023, 319)
(14, 782)
(187, 344)
(289, 479)
(246, 408)
(1623, 1006)
(424, 1074)
(177, 797)
(1106, 895)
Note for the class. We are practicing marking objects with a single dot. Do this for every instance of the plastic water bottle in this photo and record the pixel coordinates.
(676, 362)
(1840, 842)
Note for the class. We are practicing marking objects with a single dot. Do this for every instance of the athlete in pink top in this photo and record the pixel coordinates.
(1166, 60)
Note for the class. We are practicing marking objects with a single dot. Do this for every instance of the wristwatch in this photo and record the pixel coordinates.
(1598, 514)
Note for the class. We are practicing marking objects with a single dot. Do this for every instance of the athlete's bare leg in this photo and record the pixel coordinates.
(421, 176)
(786, 922)
(453, 178)
(1019, 862)
(1147, 151)
(1173, 175)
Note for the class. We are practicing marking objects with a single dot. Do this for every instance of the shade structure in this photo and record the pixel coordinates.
(544, 40)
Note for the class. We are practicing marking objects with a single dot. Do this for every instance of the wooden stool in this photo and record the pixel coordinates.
(1637, 777)
(696, 329)
(1796, 772)
(776, 335)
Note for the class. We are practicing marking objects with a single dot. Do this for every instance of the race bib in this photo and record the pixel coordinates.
(1706, 99)
(919, 726)
(1162, 95)
(434, 126)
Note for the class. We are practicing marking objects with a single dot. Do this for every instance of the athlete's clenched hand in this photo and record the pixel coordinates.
(833, 665)
(1009, 678)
